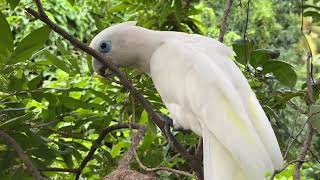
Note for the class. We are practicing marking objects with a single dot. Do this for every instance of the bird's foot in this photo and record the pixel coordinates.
(169, 122)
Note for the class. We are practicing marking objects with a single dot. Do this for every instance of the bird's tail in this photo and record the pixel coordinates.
(217, 161)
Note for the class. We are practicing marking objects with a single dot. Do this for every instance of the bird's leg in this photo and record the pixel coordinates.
(169, 122)
(166, 119)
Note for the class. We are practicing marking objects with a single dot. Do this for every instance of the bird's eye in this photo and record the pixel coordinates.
(105, 46)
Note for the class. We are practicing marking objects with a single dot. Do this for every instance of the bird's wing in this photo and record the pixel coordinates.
(250, 102)
(210, 86)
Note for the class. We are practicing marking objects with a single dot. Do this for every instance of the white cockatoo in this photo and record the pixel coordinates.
(204, 91)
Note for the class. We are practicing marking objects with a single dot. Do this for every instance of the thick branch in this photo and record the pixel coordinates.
(303, 152)
(310, 100)
(30, 167)
(123, 172)
(223, 24)
(135, 143)
(127, 84)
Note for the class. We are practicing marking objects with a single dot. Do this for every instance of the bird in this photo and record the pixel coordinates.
(204, 91)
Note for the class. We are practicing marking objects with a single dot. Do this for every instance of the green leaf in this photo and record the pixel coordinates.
(284, 72)
(116, 149)
(165, 11)
(13, 3)
(16, 83)
(179, 10)
(35, 82)
(71, 2)
(67, 157)
(32, 42)
(315, 117)
(243, 49)
(6, 39)
(119, 7)
(60, 64)
(7, 159)
(14, 122)
(75, 64)
(260, 56)
(72, 103)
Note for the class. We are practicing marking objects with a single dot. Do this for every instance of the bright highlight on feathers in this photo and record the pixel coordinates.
(204, 91)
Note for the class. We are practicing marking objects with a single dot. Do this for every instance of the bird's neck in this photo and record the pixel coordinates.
(143, 42)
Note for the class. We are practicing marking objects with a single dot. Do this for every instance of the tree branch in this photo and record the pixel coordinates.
(303, 152)
(98, 141)
(145, 168)
(285, 167)
(310, 101)
(30, 167)
(123, 172)
(111, 66)
(223, 24)
(298, 134)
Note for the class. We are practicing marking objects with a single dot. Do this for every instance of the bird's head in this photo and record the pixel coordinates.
(114, 44)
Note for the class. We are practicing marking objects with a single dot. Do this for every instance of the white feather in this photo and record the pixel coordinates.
(204, 91)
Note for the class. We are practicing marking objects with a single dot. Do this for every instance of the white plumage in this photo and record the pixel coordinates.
(204, 91)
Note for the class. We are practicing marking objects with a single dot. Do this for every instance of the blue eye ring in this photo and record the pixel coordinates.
(105, 46)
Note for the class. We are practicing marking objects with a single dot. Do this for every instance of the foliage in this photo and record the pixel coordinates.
(54, 107)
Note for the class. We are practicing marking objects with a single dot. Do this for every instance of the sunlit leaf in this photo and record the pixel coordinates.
(116, 149)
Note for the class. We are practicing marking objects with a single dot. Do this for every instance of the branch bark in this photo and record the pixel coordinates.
(307, 142)
(223, 24)
(303, 153)
(123, 172)
(28, 163)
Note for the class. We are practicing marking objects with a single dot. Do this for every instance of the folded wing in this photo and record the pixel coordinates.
(214, 97)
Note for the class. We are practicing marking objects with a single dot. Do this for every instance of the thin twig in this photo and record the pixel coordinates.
(298, 134)
(295, 107)
(22, 155)
(285, 167)
(175, 171)
(145, 168)
(123, 171)
(184, 153)
(223, 24)
(98, 141)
